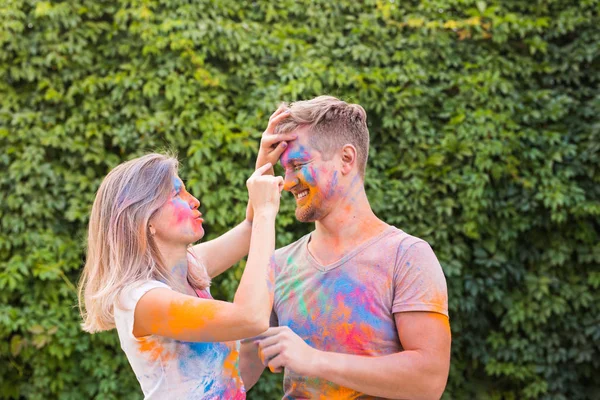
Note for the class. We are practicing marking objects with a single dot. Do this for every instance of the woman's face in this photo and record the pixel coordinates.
(178, 221)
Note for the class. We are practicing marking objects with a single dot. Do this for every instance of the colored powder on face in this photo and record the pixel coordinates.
(295, 153)
(177, 185)
(181, 209)
(310, 176)
(332, 185)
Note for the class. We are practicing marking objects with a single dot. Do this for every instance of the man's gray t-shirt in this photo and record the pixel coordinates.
(348, 306)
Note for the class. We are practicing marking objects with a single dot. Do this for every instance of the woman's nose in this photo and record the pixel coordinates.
(194, 202)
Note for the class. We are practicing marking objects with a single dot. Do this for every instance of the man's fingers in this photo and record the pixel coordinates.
(252, 339)
(270, 341)
(276, 364)
(270, 352)
(273, 331)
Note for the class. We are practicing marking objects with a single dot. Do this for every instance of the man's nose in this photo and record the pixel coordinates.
(289, 181)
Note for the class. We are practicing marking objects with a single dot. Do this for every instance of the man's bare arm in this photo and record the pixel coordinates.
(251, 366)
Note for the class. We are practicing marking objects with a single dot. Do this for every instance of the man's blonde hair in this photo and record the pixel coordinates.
(333, 123)
(120, 248)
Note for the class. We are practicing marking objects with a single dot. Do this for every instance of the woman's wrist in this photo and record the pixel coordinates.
(265, 213)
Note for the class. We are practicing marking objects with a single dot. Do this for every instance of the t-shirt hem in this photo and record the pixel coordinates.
(428, 307)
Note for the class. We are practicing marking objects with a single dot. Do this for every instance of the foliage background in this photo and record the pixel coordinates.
(485, 142)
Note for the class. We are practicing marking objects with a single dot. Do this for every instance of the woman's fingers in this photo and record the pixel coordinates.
(282, 107)
(274, 122)
(261, 170)
(270, 140)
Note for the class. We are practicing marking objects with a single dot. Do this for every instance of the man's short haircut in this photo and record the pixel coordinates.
(332, 124)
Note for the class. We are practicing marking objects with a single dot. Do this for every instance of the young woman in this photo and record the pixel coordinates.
(143, 277)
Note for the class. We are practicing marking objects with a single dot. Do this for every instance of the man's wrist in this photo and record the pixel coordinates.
(319, 364)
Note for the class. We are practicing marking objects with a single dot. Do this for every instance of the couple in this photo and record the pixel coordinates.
(360, 306)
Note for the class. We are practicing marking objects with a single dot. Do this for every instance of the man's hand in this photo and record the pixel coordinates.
(281, 348)
(272, 145)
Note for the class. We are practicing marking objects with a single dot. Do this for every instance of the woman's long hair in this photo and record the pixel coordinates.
(120, 248)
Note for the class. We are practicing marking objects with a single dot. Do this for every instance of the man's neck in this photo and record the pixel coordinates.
(351, 223)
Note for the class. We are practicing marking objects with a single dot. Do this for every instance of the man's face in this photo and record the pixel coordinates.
(312, 180)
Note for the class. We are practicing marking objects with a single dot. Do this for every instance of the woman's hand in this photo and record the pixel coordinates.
(273, 145)
(271, 148)
(264, 191)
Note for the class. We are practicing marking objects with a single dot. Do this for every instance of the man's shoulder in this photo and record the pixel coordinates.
(284, 252)
(403, 241)
(401, 237)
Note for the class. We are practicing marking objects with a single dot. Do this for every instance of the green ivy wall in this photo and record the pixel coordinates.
(485, 132)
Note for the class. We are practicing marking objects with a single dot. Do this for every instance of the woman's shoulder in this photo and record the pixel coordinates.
(131, 293)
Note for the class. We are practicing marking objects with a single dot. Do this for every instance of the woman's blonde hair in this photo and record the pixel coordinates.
(120, 248)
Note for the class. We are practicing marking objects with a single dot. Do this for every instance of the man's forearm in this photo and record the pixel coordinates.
(251, 367)
(405, 375)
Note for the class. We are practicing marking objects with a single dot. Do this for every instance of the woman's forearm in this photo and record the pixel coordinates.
(253, 291)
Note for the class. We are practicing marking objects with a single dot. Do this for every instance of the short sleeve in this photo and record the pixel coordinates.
(419, 282)
(125, 311)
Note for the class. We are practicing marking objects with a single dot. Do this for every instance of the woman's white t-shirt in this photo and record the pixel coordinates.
(172, 369)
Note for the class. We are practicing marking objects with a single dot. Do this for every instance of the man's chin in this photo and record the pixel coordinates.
(304, 215)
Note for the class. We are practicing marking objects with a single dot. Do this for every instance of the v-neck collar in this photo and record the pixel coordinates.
(325, 268)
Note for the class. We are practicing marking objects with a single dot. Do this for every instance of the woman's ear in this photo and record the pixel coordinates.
(349, 155)
(152, 230)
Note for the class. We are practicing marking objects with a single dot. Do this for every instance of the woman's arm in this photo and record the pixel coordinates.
(220, 254)
(168, 313)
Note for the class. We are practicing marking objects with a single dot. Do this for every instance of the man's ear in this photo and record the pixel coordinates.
(349, 155)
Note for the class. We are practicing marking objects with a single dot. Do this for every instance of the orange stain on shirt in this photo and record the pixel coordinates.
(230, 365)
(154, 350)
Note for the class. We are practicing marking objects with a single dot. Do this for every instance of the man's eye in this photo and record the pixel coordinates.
(298, 166)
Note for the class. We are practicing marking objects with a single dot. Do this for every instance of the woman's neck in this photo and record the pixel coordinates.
(176, 262)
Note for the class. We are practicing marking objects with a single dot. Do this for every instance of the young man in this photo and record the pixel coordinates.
(361, 306)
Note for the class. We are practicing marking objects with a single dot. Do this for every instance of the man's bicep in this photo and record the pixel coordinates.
(427, 333)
